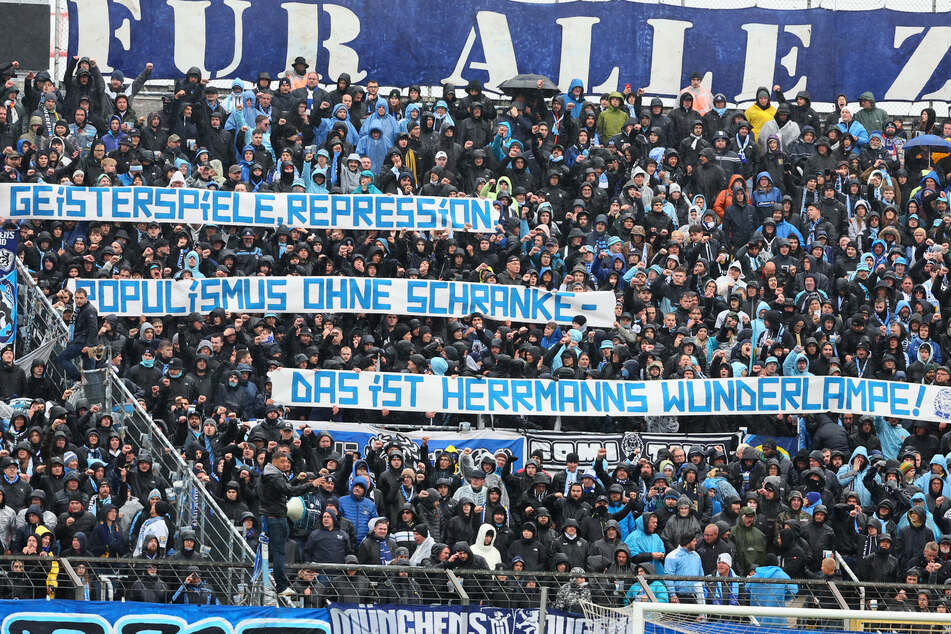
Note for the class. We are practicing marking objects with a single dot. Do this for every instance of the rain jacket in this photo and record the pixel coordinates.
(375, 148)
(388, 124)
(771, 594)
(757, 115)
(852, 481)
(611, 120)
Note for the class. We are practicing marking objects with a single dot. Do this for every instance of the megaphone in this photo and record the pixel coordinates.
(295, 509)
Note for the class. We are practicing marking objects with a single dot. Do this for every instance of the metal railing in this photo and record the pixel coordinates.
(36, 577)
(40, 323)
(230, 584)
(195, 506)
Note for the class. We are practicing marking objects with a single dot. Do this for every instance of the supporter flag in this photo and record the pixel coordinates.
(788, 445)
(8, 287)
(260, 561)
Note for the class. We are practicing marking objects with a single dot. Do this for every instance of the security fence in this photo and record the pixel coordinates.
(230, 583)
(41, 328)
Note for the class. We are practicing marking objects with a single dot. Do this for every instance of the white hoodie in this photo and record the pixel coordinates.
(489, 553)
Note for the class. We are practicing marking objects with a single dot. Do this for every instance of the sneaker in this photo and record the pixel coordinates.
(287, 592)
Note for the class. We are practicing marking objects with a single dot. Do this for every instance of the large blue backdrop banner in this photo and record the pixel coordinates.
(897, 55)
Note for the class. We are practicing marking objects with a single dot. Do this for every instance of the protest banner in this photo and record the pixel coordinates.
(555, 446)
(173, 205)
(572, 397)
(898, 55)
(500, 302)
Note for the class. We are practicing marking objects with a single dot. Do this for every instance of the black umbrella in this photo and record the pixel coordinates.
(521, 84)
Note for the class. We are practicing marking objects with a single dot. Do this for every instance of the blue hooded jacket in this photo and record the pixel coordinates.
(413, 107)
(858, 131)
(890, 436)
(853, 481)
(924, 480)
(389, 126)
(790, 369)
(375, 148)
(499, 145)
(359, 510)
(570, 98)
(764, 201)
(773, 595)
(322, 131)
(640, 542)
(929, 518)
(308, 176)
(192, 268)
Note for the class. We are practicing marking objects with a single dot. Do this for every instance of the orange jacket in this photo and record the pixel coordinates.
(725, 197)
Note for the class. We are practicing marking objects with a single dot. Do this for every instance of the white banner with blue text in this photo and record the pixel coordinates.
(172, 205)
(570, 397)
(500, 302)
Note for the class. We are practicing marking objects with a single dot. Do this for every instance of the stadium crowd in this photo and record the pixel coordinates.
(763, 241)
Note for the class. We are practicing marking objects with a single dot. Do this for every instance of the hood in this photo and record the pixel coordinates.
(360, 480)
(868, 96)
(463, 546)
(411, 108)
(386, 107)
(622, 547)
(795, 368)
(765, 175)
(860, 451)
(480, 537)
(81, 536)
(937, 459)
(736, 180)
(336, 109)
(648, 567)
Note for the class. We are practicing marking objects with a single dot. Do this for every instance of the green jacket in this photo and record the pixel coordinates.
(750, 547)
(611, 121)
(873, 118)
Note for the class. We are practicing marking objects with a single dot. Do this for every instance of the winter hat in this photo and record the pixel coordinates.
(725, 558)
(439, 366)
